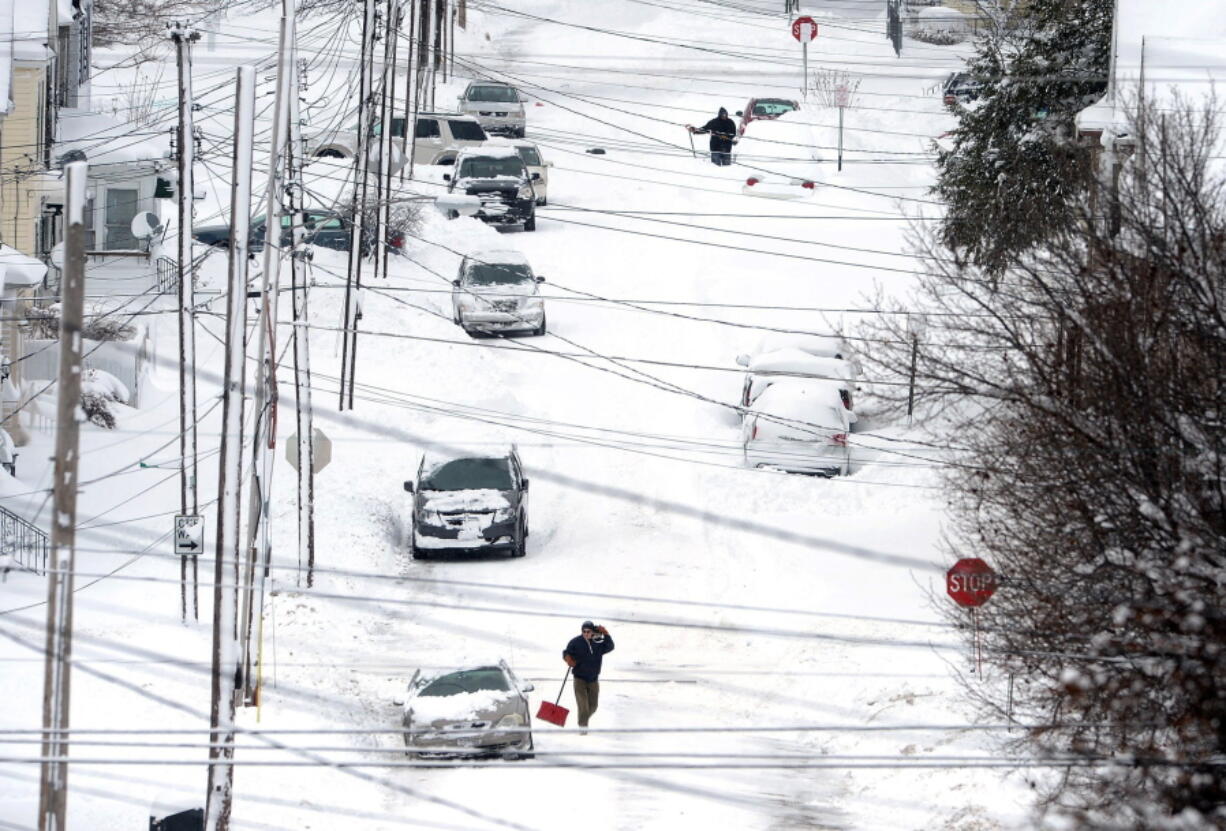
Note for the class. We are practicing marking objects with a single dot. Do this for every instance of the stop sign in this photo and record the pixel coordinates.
(804, 28)
(970, 582)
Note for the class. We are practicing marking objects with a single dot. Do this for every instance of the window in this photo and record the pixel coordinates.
(469, 474)
(465, 130)
(121, 205)
(467, 681)
(530, 156)
(426, 128)
(499, 94)
(490, 274)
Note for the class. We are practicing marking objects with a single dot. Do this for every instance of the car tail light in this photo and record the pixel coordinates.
(950, 100)
(807, 185)
(840, 439)
(396, 241)
(751, 181)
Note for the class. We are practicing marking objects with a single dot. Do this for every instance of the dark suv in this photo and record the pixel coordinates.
(959, 88)
(501, 181)
(470, 503)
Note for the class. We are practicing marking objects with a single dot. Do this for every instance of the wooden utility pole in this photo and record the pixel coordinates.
(410, 94)
(361, 181)
(184, 36)
(226, 554)
(53, 790)
(387, 109)
(264, 420)
(302, 346)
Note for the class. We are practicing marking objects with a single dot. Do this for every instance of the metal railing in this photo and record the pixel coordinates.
(168, 275)
(28, 544)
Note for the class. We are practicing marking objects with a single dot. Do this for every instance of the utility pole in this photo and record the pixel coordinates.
(229, 486)
(184, 36)
(410, 94)
(53, 780)
(386, 114)
(361, 177)
(264, 429)
(302, 347)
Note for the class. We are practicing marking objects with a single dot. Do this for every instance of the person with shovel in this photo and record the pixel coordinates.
(584, 655)
(723, 136)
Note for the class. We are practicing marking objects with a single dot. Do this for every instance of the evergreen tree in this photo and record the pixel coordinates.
(1015, 172)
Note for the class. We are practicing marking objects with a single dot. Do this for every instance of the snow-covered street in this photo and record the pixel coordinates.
(780, 663)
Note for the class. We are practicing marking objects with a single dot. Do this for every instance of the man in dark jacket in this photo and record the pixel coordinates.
(723, 134)
(584, 654)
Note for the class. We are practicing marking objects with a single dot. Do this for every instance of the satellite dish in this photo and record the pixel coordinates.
(146, 225)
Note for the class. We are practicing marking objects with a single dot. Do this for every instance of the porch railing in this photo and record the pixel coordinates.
(26, 543)
(168, 275)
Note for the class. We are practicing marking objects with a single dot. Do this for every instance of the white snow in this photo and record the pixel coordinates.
(435, 708)
(465, 500)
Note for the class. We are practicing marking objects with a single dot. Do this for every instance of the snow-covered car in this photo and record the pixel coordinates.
(764, 108)
(497, 176)
(438, 138)
(538, 168)
(765, 369)
(497, 292)
(498, 106)
(470, 502)
(798, 427)
(959, 88)
(476, 711)
(780, 157)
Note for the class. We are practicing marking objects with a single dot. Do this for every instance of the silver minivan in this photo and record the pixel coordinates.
(497, 106)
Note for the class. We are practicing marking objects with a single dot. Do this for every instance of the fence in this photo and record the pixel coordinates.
(123, 359)
(25, 543)
(168, 275)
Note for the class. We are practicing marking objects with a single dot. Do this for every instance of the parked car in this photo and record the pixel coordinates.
(324, 228)
(497, 292)
(498, 177)
(798, 427)
(764, 108)
(781, 156)
(498, 106)
(959, 88)
(475, 711)
(537, 167)
(470, 502)
(768, 368)
(438, 138)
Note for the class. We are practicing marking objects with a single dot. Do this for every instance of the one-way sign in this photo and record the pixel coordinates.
(189, 534)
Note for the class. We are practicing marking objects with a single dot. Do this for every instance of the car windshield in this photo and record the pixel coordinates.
(488, 274)
(489, 167)
(504, 95)
(469, 474)
(466, 130)
(772, 106)
(467, 681)
(529, 155)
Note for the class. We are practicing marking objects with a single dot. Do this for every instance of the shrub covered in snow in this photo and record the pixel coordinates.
(99, 390)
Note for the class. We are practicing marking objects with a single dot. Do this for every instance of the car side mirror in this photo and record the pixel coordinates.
(742, 360)
(525, 483)
(536, 177)
(456, 282)
(738, 112)
(446, 177)
(408, 487)
(529, 687)
(548, 164)
(540, 279)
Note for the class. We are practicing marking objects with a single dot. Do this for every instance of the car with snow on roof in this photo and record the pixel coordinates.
(496, 291)
(437, 139)
(798, 426)
(780, 157)
(471, 712)
(500, 182)
(764, 108)
(767, 368)
(499, 107)
(469, 501)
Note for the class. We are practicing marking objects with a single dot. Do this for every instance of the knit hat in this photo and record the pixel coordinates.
(587, 624)
(723, 112)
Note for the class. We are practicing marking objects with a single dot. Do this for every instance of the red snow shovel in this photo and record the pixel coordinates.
(553, 713)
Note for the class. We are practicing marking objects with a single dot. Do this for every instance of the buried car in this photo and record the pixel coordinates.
(497, 292)
(766, 368)
(464, 502)
(781, 156)
(476, 711)
(798, 427)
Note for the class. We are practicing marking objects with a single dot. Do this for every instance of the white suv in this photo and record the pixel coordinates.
(438, 138)
(497, 292)
(498, 106)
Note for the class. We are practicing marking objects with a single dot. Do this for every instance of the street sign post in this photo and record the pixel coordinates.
(971, 582)
(189, 534)
(842, 95)
(804, 29)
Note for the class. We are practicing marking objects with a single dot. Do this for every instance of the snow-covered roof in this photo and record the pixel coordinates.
(64, 11)
(489, 151)
(31, 30)
(1180, 54)
(812, 402)
(106, 140)
(797, 360)
(17, 269)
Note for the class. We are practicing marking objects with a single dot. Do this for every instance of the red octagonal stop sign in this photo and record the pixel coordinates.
(804, 28)
(970, 582)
